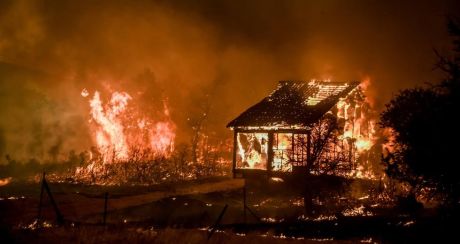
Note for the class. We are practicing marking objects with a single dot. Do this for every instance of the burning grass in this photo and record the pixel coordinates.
(146, 169)
(142, 167)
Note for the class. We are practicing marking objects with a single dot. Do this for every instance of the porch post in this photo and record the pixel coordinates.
(270, 151)
(235, 133)
(309, 161)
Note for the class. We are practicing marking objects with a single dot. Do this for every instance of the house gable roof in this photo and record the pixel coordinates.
(294, 103)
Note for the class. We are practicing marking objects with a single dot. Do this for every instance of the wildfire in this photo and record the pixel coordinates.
(120, 128)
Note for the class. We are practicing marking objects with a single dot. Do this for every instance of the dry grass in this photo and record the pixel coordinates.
(98, 234)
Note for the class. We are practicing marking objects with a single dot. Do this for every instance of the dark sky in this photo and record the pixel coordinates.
(233, 51)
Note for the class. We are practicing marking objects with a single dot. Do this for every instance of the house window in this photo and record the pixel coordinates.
(252, 151)
(282, 152)
(289, 150)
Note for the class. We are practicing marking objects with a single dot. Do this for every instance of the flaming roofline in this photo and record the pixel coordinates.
(293, 105)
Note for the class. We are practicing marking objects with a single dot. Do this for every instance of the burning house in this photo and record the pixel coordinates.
(317, 127)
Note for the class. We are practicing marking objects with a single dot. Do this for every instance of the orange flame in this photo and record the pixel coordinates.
(110, 136)
(5, 181)
(116, 135)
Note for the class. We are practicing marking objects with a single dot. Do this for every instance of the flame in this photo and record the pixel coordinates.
(389, 145)
(5, 181)
(84, 93)
(359, 125)
(162, 137)
(121, 128)
(249, 155)
(110, 136)
(363, 144)
(360, 133)
(281, 160)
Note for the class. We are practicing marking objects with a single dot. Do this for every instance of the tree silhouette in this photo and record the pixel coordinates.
(426, 130)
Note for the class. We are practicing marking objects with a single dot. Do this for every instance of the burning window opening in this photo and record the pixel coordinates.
(320, 127)
(253, 150)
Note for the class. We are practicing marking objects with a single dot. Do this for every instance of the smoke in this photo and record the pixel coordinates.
(229, 52)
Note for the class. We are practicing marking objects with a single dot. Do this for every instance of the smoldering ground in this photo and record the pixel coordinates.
(228, 54)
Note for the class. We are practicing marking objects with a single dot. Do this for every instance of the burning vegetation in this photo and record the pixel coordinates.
(119, 129)
(131, 147)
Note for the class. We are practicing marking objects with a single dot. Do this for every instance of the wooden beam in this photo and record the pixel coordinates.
(296, 131)
(235, 138)
(270, 152)
(309, 161)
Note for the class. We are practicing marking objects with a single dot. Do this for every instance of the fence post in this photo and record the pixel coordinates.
(45, 186)
(244, 201)
(59, 217)
(41, 200)
(214, 227)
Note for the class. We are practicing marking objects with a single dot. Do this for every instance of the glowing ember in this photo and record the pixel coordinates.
(357, 211)
(120, 128)
(276, 179)
(34, 225)
(324, 91)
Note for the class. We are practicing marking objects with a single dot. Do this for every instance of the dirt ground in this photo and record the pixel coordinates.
(187, 212)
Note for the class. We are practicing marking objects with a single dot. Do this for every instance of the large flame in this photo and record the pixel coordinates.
(120, 128)
(359, 129)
